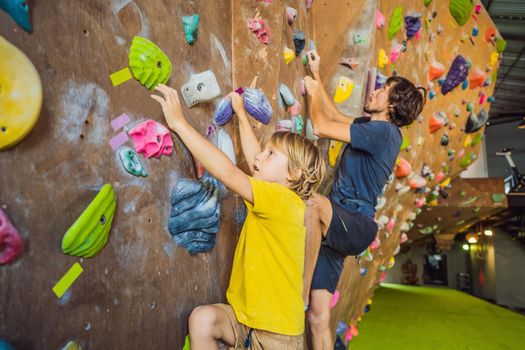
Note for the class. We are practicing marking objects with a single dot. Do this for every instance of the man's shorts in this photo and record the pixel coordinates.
(349, 233)
(260, 339)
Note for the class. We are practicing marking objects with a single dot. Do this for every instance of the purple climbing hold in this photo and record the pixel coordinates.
(257, 105)
(413, 25)
(223, 112)
(456, 75)
(380, 80)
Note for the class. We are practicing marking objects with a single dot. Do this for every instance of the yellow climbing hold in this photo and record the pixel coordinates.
(344, 89)
(493, 59)
(468, 141)
(445, 183)
(289, 55)
(333, 151)
(382, 58)
(20, 95)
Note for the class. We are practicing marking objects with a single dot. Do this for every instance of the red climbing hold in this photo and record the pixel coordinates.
(10, 240)
(260, 29)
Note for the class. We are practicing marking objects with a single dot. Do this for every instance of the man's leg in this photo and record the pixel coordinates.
(207, 324)
(317, 221)
(319, 319)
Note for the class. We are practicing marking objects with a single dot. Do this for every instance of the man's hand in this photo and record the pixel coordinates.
(171, 106)
(312, 85)
(314, 61)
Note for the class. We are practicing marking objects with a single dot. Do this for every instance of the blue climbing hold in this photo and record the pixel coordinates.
(19, 11)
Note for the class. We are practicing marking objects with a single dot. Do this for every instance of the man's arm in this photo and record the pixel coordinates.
(212, 158)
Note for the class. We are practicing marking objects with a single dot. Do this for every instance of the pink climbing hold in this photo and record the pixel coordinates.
(308, 3)
(380, 19)
(404, 238)
(375, 243)
(351, 332)
(417, 181)
(382, 277)
(151, 139)
(481, 98)
(395, 52)
(260, 29)
(390, 225)
(10, 240)
(439, 176)
(334, 300)
(420, 202)
(295, 109)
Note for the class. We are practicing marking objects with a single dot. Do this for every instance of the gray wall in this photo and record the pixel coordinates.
(510, 270)
(498, 137)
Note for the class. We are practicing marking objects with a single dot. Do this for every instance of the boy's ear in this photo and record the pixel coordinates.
(295, 176)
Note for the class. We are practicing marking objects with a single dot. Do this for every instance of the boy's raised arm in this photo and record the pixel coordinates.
(250, 146)
(212, 158)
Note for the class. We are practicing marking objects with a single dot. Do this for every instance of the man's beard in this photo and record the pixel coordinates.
(371, 110)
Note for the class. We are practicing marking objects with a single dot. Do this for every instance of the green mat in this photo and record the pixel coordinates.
(403, 317)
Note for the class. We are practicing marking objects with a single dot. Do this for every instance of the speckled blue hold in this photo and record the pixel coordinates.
(286, 94)
(257, 105)
(413, 25)
(195, 216)
(299, 42)
(223, 112)
(380, 80)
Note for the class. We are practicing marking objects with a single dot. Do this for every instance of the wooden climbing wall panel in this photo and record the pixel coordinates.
(138, 292)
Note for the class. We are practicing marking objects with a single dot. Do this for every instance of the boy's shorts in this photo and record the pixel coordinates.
(260, 339)
(349, 233)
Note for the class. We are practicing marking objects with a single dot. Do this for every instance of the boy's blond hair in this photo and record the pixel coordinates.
(305, 162)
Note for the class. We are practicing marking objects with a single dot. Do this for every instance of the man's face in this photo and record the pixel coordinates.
(378, 100)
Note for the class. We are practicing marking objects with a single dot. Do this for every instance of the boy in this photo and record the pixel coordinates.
(343, 224)
(266, 307)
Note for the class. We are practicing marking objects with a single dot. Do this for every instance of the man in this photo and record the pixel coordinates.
(342, 224)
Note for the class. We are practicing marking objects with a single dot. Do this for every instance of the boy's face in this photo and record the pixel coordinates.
(378, 100)
(271, 165)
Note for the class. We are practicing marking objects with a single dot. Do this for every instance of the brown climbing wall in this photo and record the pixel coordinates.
(138, 292)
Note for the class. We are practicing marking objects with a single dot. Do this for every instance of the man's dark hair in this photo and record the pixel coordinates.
(407, 101)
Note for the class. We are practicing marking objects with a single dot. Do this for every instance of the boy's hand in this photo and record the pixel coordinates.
(314, 61)
(237, 102)
(171, 106)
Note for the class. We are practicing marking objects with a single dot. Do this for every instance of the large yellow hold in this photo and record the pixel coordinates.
(333, 151)
(20, 95)
(344, 89)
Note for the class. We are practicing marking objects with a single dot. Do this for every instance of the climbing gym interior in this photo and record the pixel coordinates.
(112, 232)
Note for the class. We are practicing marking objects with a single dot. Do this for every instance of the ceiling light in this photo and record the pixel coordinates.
(466, 247)
(472, 238)
(488, 232)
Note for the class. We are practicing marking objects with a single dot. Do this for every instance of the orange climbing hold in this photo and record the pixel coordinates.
(436, 70)
(403, 168)
(477, 78)
(490, 34)
(436, 123)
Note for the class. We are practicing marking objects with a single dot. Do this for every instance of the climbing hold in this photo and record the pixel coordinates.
(444, 140)
(461, 10)
(288, 55)
(349, 62)
(395, 52)
(412, 24)
(491, 99)
(130, 161)
(294, 109)
(150, 66)
(456, 75)
(291, 15)
(19, 11)
(223, 112)
(255, 103)
(476, 139)
(260, 29)
(475, 31)
(308, 3)
(490, 34)
(493, 60)
(403, 168)
(299, 42)
(359, 39)
(220, 138)
(334, 300)
(436, 122)
(195, 216)
(71, 345)
(89, 233)
(287, 95)
(151, 139)
(191, 27)
(501, 45)
(200, 87)
(284, 125)
(436, 70)
(469, 200)
(476, 122)
(396, 21)
(427, 2)
(380, 80)
(431, 94)
(375, 243)
(476, 78)
(310, 131)
(498, 197)
(417, 182)
(343, 89)
(333, 151)
(470, 107)
(20, 95)
(380, 19)
(481, 98)
(10, 240)
(405, 143)
(466, 160)
(382, 59)
(427, 230)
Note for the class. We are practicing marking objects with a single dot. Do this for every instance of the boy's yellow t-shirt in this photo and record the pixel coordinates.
(267, 275)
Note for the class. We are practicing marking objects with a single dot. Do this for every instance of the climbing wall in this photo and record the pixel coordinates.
(139, 290)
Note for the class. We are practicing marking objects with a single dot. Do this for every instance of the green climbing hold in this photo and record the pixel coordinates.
(476, 139)
(469, 200)
(461, 10)
(130, 161)
(396, 22)
(466, 160)
(427, 230)
(498, 197)
(191, 27)
(406, 142)
(149, 64)
(427, 2)
(186, 343)
(501, 45)
(89, 234)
